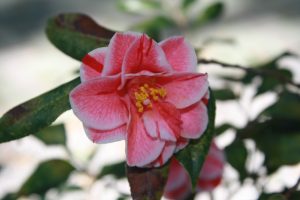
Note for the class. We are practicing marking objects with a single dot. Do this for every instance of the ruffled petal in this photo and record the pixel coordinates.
(97, 104)
(194, 120)
(106, 136)
(117, 49)
(186, 90)
(145, 55)
(166, 154)
(141, 149)
(92, 64)
(163, 122)
(180, 54)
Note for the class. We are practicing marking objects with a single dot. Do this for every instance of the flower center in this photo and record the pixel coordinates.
(145, 95)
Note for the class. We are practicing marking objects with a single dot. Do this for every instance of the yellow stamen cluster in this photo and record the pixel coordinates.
(145, 94)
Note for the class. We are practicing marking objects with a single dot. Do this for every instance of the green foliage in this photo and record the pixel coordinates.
(236, 155)
(272, 197)
(47, 175)
(153, 26)
(116, 169)
(281, 123)
(53, 135)
(224, 94)
(77, 34)
(287, 107)
(187, 3)
(272, 77)
(193, 156)
(285, 195)
(222, 128)
(212, 12)
(36, 114)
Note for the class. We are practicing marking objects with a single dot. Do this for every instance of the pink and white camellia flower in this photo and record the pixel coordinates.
(143, 92)
(178, 186)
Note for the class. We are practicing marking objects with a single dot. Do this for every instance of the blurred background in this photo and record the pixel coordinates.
(248, 33)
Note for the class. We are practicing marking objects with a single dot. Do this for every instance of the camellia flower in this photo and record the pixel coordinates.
(179, 186)
(143, 92)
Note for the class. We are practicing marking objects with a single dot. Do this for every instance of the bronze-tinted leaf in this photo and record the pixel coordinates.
(147, 183)
(77, 34)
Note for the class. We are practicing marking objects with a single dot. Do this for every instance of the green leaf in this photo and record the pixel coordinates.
(222, 128)
(154, 26)
(116, 169)
(212, 12)
(193, 156)
(287, 107)
(77, 34)
(294, 195)
(53, 135)
(48, 174)
(281, 150)
(187, 3)
(270, 75)
(224, 94)
(278, 139)
(272, 196)
(236, 155)
(36, 114)
(10, 196)
(270, 83)
(69, 188)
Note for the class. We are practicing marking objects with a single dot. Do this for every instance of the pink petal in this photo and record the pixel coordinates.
(186, 90)
(166, 154)
(212, 170)
(145, 55)
(141, 149)
(117, 49)
(214, 163)
(163, 122)
(194, 120)
(108, 136)
(92, 64)
(180, 54)
(208, 185)
(97, 104)
(178, 185)
(181, 143)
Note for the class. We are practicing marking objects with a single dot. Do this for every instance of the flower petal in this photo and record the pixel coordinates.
(97, 104)
(117, 49)
(208, 185)
(163, 122)
(180, 54)
(106, 136)
(141, 149)
(212, 170)
(214, 163)
(178, 185)
(194, 120)
(92, 64)
(166, 154)
(187, 90)
(181, 143)
(145, 55)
